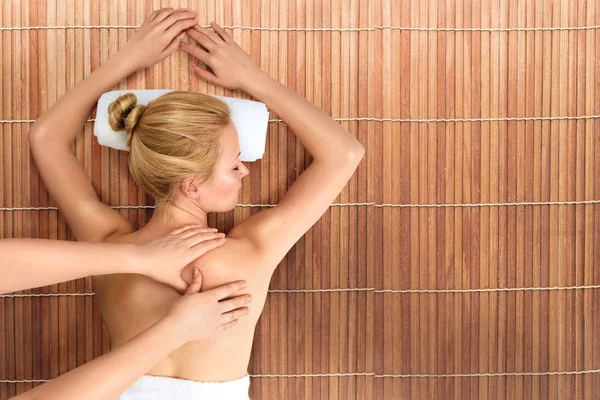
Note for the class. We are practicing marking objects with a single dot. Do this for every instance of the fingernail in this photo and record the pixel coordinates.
(244, 284)
(196, 272)
(248, 299)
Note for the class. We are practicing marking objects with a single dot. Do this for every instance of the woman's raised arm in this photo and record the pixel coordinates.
(51, 136)
(336, 153)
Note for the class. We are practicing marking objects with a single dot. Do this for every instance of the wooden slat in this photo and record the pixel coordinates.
(5, 367)
(589, 257)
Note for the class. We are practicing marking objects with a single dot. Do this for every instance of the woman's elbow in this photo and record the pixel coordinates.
(39, 138)
(356, 153)
(24, 396)
(34, 136)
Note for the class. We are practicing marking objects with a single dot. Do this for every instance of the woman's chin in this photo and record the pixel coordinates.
(226, 207)
(233, 205)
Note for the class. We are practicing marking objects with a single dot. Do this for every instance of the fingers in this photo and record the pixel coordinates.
(176, 16)
(228, 325)
(193, 239)
(202, 55)
(234, 315)
(236, 302)
(191, 227)
(171, 47)
(207, 76)
(194, 50)
(178, 27)
(162, 14)
(180, 285)
(224, 291)
(152, 15)
(200, 37)
(196, 284)
(172, 26)
(199, 235)
(201, 249)
(217, 28)
(209, 34)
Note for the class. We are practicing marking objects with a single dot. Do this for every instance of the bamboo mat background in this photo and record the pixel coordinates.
(474, 197)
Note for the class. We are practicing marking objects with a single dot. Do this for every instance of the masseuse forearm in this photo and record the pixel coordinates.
(110, 375)
(323, 137)
(28, 263)
(63, 121)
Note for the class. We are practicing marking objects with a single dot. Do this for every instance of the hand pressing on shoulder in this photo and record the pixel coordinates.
(164, 258)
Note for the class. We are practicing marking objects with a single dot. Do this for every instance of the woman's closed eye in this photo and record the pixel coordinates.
(237, 162)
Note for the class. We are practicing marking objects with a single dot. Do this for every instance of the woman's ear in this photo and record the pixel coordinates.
(190, 187)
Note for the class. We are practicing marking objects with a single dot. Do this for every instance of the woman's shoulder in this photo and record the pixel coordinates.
(236, 259)
(235, 251)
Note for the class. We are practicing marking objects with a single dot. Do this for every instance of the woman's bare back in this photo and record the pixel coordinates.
(129, 303)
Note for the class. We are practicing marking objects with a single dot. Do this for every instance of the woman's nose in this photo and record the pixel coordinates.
(244, 170)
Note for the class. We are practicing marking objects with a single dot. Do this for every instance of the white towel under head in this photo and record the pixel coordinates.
(250, 118)
(150, 387)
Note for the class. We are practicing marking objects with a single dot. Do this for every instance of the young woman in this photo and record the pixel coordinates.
(184, 151)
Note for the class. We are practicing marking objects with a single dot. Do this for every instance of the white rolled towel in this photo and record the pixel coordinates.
(250, 118)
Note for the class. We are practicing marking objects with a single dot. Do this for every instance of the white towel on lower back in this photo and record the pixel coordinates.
(150, 387)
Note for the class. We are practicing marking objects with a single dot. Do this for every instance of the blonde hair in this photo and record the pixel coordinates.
(176, 135)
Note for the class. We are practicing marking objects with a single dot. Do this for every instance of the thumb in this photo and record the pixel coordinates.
(172, 46)
(196, 284)
(180, 285)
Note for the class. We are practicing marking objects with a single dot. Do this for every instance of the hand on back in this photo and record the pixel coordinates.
(202, 315)
(164, 258)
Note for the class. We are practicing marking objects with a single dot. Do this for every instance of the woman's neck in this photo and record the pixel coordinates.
(173, 215)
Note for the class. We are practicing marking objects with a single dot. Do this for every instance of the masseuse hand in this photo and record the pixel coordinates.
(163, 259)
(157, 37)
(231, 66)
(197, 316)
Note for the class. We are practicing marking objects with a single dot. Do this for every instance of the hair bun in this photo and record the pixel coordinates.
(124, 114)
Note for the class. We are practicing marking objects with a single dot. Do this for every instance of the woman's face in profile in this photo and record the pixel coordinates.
(221, 192)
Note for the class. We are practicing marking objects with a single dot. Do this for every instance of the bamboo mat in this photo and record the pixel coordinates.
(461, 261)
